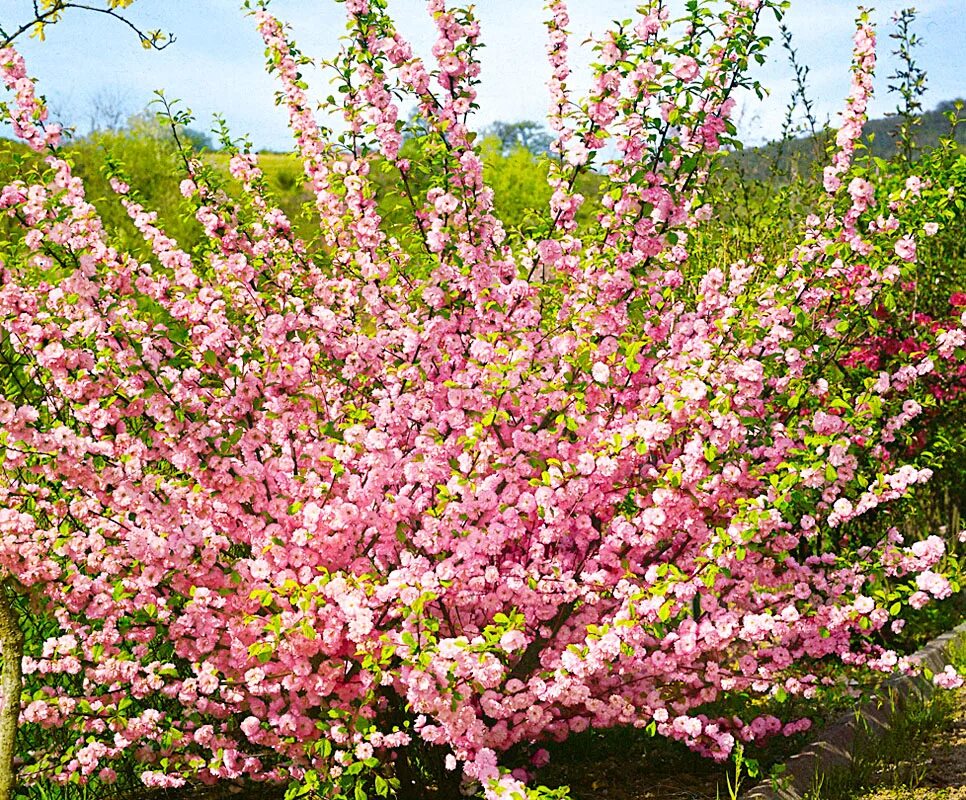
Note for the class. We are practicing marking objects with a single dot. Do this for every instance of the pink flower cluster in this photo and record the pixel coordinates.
(863, 69)
(949, 678)
(290, 509)
(29, 119)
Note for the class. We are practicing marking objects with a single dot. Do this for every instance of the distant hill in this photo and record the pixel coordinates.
(798, 155)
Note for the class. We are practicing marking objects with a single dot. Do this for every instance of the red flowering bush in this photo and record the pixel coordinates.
(369, 516)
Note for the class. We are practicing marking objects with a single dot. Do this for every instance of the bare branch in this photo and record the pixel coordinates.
(156, 40)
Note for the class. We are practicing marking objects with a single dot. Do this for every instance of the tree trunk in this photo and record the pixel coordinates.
(11, 654)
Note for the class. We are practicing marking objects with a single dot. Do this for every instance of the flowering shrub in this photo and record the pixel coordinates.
(377, 518)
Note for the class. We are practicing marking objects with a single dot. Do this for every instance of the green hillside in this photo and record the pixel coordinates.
(798, 155)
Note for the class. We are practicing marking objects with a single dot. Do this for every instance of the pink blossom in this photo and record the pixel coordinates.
(906, 248)
(512, 641)
(863, 605)
(949, 678)
(685, 68)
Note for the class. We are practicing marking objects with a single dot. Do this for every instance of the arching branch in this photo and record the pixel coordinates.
(47, 12)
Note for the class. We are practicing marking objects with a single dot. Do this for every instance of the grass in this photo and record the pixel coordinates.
(894, 765)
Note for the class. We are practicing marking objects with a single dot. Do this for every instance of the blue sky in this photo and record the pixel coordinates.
(216, 65)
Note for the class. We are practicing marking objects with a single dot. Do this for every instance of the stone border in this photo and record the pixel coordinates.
(833, 747)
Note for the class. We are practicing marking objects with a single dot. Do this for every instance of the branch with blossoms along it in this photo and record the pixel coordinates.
(352, 515)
